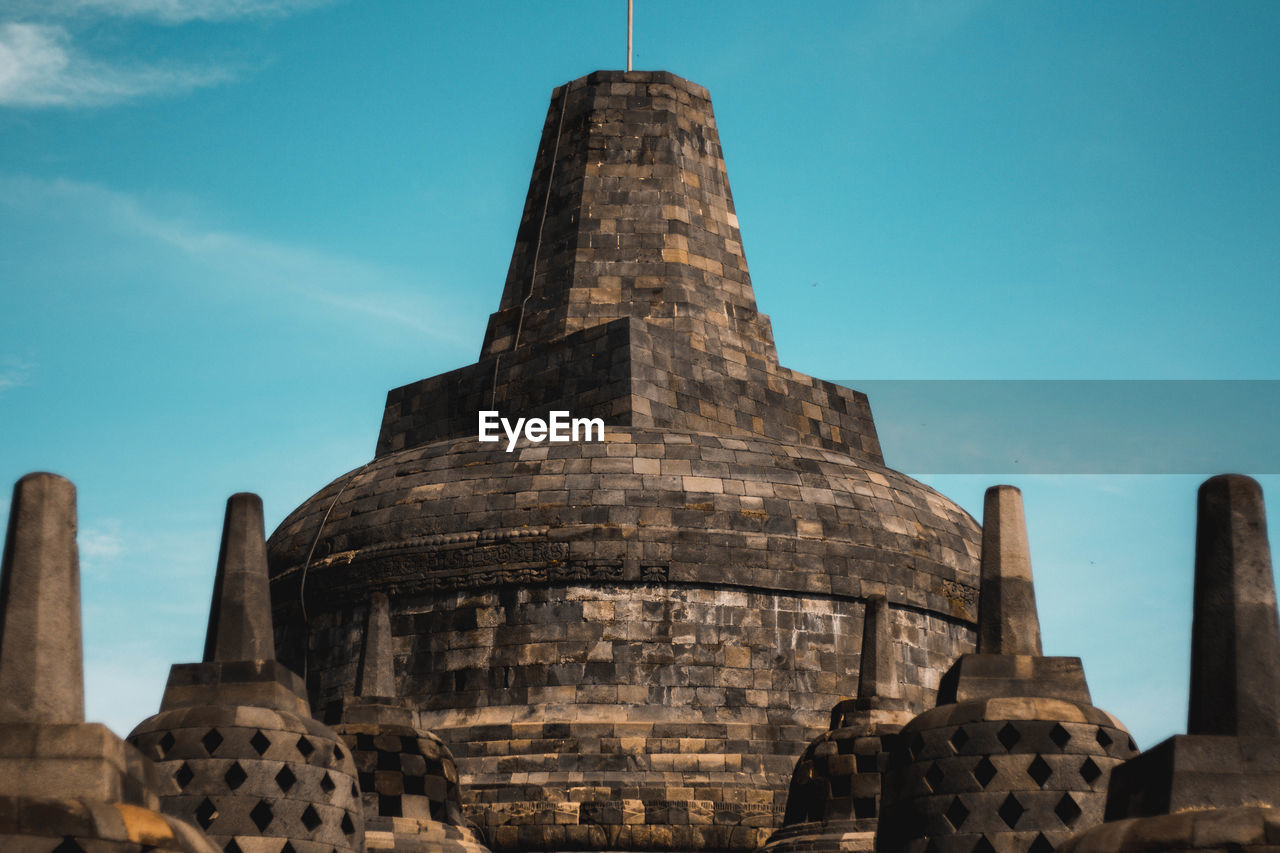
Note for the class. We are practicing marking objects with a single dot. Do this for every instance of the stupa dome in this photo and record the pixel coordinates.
(627, 641)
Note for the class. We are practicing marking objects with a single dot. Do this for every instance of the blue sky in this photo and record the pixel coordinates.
(228, 227)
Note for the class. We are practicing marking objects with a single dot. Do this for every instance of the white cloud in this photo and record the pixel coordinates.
(41, 67)
(14, 373)
(99, 545)
(167, 11)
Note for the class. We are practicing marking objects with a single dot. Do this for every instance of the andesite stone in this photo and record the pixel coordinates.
(1014, 758)
(235, 735)
(833, 803)
(65, 785)
(626, 643)
(1215, 789)
(408, 778)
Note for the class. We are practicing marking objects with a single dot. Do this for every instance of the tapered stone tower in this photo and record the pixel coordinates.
(1015, 757)
(627, 643)
(235, 735)
(66, 786)
(1215, 789)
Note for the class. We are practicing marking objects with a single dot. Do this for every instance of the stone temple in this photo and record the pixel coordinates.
(723, 625)
(626, 643)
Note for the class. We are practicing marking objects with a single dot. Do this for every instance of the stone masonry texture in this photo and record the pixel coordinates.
(626, 643)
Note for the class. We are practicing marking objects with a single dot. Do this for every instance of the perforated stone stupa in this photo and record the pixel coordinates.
(626, 643)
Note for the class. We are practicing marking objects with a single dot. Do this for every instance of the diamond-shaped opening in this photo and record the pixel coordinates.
(166, 743)
(933, 776)
(1067, 810)
(915, 746)
(288, 848)
(1059, 735)
(347, 826)
(211, 741)
(983, 846)
(68, 845)
(1008, 735)
(338, 754)
(285, 779)
(235, 776)
(260, 742)
(184, 776)
(206, 813)
(1090, 771)
(310, 819)
(1040, 770)
(1010, 810)
(355, 791)
(232, 847)
(959, 739)
(984, 771)
(305, 747)
(956, 813)
(1133, 747)
(262, 815)
(1040, 845)
(1104, 739)
(864, 807)
(327, 784)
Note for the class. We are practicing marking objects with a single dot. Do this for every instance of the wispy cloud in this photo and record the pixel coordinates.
(14, 373)
(166, 11)
(100, 545)
(41, 67)
(356, 288)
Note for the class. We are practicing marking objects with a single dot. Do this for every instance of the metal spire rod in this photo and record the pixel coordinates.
(630, 9)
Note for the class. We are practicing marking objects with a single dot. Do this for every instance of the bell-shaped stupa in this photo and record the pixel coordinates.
(66, 786)
(235, 734)
(408, 779)
(1015, 757)
(627, 639)
(834, 800)
(1215, 789)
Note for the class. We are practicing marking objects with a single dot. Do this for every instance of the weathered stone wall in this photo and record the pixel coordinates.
(624, 709)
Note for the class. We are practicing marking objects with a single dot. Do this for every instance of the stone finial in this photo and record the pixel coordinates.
(1235, 641)
(240, 626)
(377, 672)
(41, 654)
(878, 676)
(1007, 620)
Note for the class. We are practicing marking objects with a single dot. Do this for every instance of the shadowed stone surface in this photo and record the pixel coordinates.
(1008, 623)
(41, 658)
(65, 784)
(240, 615)
(246, 762)
(628, 642)
(1235, 646)
(1014, 758)
(1216, 788)
(834, 799)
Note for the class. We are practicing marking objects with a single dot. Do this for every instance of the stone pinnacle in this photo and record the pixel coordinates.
(41, 654)
(878, 678)
(1007, 619)
(240, 626)
(1235, 641)
(377, 676)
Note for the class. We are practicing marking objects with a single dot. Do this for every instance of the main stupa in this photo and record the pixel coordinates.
(626, 643)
